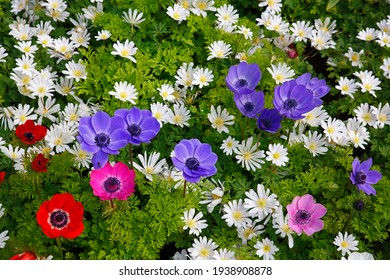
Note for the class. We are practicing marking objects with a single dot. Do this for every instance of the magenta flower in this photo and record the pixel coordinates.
(305, 215)
(113, 181)
(362, 177)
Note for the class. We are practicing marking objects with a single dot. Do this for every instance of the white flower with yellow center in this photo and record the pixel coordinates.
(277, 154)
(219, 49)
(266, 249)
(250, 231)
(126, 50)
(150, 165)
(124, 91)
(272, 5)
(382, 114)
(281, 72)
(236, 214)
(346, 243)
(178, 12)
(248, 156)
(193, 222)
(315, 143)
(179, 116)
(75, 71)
(261, 203)
(202, 77)
(220, 118)
(367, 34)
(347, 86)
(202, 249)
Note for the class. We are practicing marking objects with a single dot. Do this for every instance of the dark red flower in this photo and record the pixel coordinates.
(2, 176)
(39, 163)
(292, 51)
(25, 256)
(61, 216)
(30, 133)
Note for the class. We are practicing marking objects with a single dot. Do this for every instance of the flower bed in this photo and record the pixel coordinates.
(194, 129)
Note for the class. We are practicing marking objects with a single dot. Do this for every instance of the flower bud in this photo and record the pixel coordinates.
(358, 205)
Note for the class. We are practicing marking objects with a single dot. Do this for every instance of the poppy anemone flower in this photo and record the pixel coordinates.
(363, 177)
(30, 133)
(243, 78)
(24, 256)
(61, 216)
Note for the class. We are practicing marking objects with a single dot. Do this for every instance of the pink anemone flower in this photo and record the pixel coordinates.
(305, 215)
(113, 181)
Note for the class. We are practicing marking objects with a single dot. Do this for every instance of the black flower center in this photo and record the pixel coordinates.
(59, 219)
(192, 163)
(266, 123)
(134, 129)
(102, 140)
(302, 217)
(249, 106)
(112, 184)
(29, 136)
(361, 177)
(290, 104)
(242, 83)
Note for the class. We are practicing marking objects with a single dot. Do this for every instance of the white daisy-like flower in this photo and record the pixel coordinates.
(356, 256)
(214, 196)
(14, 153)
(266, 249)
(333, 129)
(369, 83)
(281, 72)
(199, 7)
(6, 117)
(386, 67)
(236, 214)
(178, 12)
(248, 155)
(22, 113)
(161, 112)
(58, 138)
(315, 143)
(322, 40)
(315, 116)
(3, 238)
(81, 39)
(346, 243)
(271, 5)
(124, 91)
(280, 223)
(126, 50)
(229, 145)
(180, 256)
(179, 116)
(91, 12)
(301, 30)
(193, 222)
(367, 34)
(219, 49)
(382, 114)
(276, 23)
(325, 26)
(3, 54)
(283, 41)
(26, 65)
(249, 231)
(202, 249)
(26, 48)
(202, 77)
(220, 118)
(354, 57)
(82, 158)
(185, 75)
(47, 109)
(383, 39)
(150, 165)
(133, 17)
(223, 254)
(166, 92)
(75, 71)
(277, 154)
(103, 35)
(248, 34)
(64, 86)
(364, 113)
(41, 87)
(261, 203)
(347, 86)
(383, 26)
(227, 15)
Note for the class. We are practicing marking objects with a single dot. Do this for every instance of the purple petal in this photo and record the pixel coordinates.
(178, 163)
(373, 176)
(119, 135)
(355, 166)
(99, 159)
(202, 151)
(100, 122)
(117, 123)
(366, 165)
(181, 152)
(367, 188)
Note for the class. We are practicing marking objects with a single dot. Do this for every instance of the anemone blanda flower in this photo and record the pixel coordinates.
(346, 243)
(305, 215)
(269, 120)
(30, 133)
(141, 124)
(250, 104)
(61, 216)
(113, 181)
(363, 177)
(193, 222)
(243, 78)
(194, 159)
(102, 135)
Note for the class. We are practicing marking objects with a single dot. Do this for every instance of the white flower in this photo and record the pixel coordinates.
(47, 109)
(26, 48)
(3, 238)
(91, 12)
(261, 203)
(382, 114)
(179, 116)
(124, 91)
(26, 65)
(354, 57)
(357, 133)
(201, 6)
(81, 38)
(12, 153)
(82, 158)
(194, 223)
(202, 77)
(227, 15)
(281, 72)
(161, 112)
(220, 118)
(277, 154)
(315, 143)
(3, 54)
(346, 243)
(367, 34)
(321, 40)
(166, 91)
(266, 249)
(133, 17)
(280, 223)
(229, 145)
(315, 116)
(236, 214)
(276, 23)
(59, 138)
(365, 114)
(272, 5)
(248, 34)
(41, 87)
(6, 114)
(247, 155)
(178, 13)
(126, 50)
(185, 75)
(180, 255)
(150, 165)
(386, 67)
(223, 254)
(333, 129)
(213, 197)
(368, 82)
(283, 41)
(23, 113)
(326, 26)
(383, 39)
(347, 86)
(75, 71)
(301, 30)
(219, 49)
(249, 231)
(202, 249)
(103, 35)
(365, 256)
(65, 86)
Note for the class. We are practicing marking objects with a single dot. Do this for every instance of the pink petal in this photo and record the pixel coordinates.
(306, 202)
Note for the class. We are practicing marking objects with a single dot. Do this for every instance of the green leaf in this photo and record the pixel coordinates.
(331, 4)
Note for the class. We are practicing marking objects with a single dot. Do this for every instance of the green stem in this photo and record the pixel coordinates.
(112, 204)
(58, 239)
(185, 187)
(347, 221)
(131, 156)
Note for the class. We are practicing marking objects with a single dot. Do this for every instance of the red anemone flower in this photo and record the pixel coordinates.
(61, 216)
(25, 256)
(30, 133)
(2, 176)
(39, 163)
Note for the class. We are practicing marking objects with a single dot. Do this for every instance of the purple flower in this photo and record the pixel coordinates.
(293, 100)
(269, 120)
(250, 104)
(102, 135)
(243, 78)
(195, 159)
(362, 177)
(316, 86)
(141, 125)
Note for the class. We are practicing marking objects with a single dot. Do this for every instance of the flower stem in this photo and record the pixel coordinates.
(131, 156)
(347, 221)
(185, 187)
(58, 239)
(112, 204)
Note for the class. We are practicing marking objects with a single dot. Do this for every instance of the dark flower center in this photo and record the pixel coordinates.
(241, 83)
(59, 219)
(249, 106)
(290, 104)
(358, 205)
(266, 123)
(192, 163)
(302, 217)
(361, 177)
(102, 140)
(112, 184)
(29, 136)
(134, 129)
